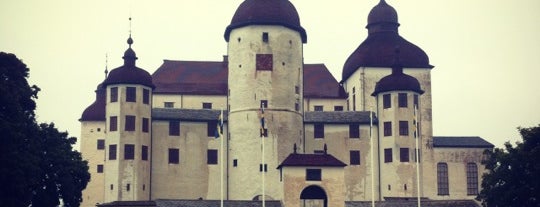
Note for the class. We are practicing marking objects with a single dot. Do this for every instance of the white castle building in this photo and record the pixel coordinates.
(151, 138)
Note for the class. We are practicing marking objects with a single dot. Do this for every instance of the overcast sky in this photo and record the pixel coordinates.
(486, 53)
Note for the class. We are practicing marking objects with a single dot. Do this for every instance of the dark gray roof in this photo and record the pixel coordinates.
(413, 203)
(461, 142)
(338, 117)
(202, 115)
(309, 160)
(213, 203)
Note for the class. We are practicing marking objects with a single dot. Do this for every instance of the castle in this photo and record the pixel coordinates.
(312, 141)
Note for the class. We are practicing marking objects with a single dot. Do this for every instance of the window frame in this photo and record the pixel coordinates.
(168, 105)
(99, 168)
(403, 128)
(404, 155)
(387, 128)
(313, 174)
(443, 187)
(207, 105)
(144, 152)
(472, 178)
(146, 96)
(100, 144)
(318, 131)
(114, 94)
(113, 123)
(354, 157)
(388, 157)
(145, 125)
(174, 156)
(130, 122)
(318, 108)
(402, 100)
(113, 152)
(354, 131)
(212, 157)
(129, 151)
(387, 101)
(174, 128)
(131, 94)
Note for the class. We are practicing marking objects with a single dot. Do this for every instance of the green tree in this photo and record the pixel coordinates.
(37, 164)
(513, 173)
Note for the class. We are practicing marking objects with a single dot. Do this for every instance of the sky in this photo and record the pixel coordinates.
(486, 53)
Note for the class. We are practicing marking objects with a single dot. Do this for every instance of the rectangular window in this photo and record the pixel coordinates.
(402, 100)
(442, 179)
(113, 123)
(404, 128)
(388, 155)
(144, 153)
(168, 104)
(235, 163)
(146, 96)
(129, 152)
(265, 167)
(99, 168)
(114, 94)
(387, 128)
(387, 102)
(112, 152)
(264, 62)
(174, 128)
(131, 94)
(313, 174)
(130, 123)
(265, 36)
(318, 108)
(404, 154)
(338, 108)
(355, 157)
(174, 156)
(212, 157)
(100, 144)
(207, 105)
(128, 187)
(145, 125)
(354, 131)
(318, 131)
(472, 179)
(211, 128)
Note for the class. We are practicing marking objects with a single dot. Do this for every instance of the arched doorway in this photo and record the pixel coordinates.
(313, 196)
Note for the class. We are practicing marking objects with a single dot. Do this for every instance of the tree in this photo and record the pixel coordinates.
(513, 173)
(37, 163)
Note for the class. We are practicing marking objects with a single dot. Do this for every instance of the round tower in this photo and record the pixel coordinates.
(265, 51)
(397, 97)
(128, 123)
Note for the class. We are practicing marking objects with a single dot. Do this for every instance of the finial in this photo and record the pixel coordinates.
(130, 40)
(295, 148)
(325, 149)
(106, 64)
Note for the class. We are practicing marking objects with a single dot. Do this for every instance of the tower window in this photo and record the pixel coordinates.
(112, 152)
(355, 157)
(212, 157)
(128, 187)
(174, 128)
(402, 100)
(318, 108)
(174, 156)
(313, 174)
(113, 123)
(387, 128)
(404, 128)
(146, 96)
(318, 131)
(144, 153)
(99, 168)
(100, 144)
(265, 37)
(129, 152)
(354, 130)
(264, 62)
(207, 105)
(114, 94)
(130, 123)
(235, 163)
(404, 154)
(131, 94)
(388, 155)
(145, 124)
(387, 103)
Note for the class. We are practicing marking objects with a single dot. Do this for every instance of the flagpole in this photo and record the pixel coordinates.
(263, 167)
(221, 157)
(416, 137)
(372, 167)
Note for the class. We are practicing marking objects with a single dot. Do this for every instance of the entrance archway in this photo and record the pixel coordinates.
(313, 196)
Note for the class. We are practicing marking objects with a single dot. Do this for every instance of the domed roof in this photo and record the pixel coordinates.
(129, 73)
(96, 111)
(266, 12)
(397, 81)
(378, 48)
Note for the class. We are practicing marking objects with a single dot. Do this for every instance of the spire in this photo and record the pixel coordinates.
(129, 56)
(106, 65)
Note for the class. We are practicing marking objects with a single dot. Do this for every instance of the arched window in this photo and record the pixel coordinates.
(442, 179)
(472, 179)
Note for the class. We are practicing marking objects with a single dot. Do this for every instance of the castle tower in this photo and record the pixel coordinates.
(265, 61)
(128, 118)
(396, 96)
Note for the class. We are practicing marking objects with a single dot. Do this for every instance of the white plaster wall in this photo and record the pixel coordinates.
(91, 131)
(190, 101)
(328, 104)
(332, 182)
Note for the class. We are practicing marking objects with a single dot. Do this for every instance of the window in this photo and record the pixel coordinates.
(318, 131)
(265, 36)
(235, 163)
(145, 124)
(404, 128)
(264, 62)
(174, 128)
(211, 128)
(114, 94)
(99, 168)
(112, 152)
(128, 187)
(130, 123)
(338, 108)
(131, 94)
(354, 102)
(416, 100)
(318, 108)
(129, 152)
(212, 157)
(318, 152)
(112, 186)
(404, 154)
(264, 103)
(388, 155)
(174, 156)
(207, 105)
(113, 123)
(265, 167)
(168, 104)
(313, 174)
(387, 103)
(144, 153)
(387, 128)
(402, 100)
(442, 179)
(354, 131)
(355, 157)
(100, 144)
(472, 179)
(146, 96)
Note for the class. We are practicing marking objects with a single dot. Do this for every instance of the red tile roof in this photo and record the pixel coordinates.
(311, 160)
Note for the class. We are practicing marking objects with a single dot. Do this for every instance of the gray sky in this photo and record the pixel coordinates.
(485, 53)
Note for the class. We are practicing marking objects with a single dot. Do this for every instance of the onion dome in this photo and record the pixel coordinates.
(129, 73)
(397, 81)
(378, 48)
(96, 111)
(266, 12)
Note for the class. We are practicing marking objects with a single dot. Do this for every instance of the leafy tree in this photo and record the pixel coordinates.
(513, 173)
(37, 164)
